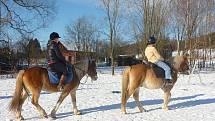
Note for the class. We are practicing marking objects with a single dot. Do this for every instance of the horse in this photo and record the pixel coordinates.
(143, 75)
(35, 79)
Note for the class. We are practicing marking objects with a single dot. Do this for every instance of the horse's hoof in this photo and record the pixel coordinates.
(77, 113)
(20, 118)
(165, 108)
(53, 116)
(141, 111)
(45, 116)
(124, 112)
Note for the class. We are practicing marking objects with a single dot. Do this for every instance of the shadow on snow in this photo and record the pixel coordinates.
(132, 104)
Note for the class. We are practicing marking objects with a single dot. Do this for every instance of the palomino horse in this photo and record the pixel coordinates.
(140, 75)
(35, 79)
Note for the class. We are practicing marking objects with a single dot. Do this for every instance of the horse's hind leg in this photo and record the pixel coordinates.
(22, 100)
(167, 96)
(75, 109)
(60, 100)
(136, 98)
(128, 93)
(35, 97)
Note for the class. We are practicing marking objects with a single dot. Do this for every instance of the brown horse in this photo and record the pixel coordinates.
(35, 79)
(140, 75)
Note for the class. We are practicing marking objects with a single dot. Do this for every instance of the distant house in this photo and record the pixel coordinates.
(127, 60)
(130, 50)
(74, 56)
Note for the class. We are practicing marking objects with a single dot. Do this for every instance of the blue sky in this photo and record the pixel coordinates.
(68, 11)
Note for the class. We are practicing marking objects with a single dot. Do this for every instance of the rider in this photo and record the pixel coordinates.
(153, 56)
(56, 60)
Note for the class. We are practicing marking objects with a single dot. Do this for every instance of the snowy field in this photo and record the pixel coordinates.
(100, 101)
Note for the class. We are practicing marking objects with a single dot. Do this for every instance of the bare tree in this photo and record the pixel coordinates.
(28, 50)
(191, 19)
(23, 49)
(176, 24)
(83, 34)
(34, 50)
(112, 11)
(147, 18)
(24, 16)
(208, 27)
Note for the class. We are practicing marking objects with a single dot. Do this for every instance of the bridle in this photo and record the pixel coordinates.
(83, 71)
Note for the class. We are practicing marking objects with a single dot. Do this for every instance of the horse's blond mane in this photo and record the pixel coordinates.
(177, 60)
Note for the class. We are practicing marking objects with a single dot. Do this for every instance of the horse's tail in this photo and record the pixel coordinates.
(15, 102)
(125, 81)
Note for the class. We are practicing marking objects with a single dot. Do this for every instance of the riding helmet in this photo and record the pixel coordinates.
(151, 40)
(54, 35)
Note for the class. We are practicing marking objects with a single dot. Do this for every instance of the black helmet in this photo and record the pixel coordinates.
(54, 35)
(151, 40)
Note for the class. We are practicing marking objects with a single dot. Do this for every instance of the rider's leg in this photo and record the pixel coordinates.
(61, 69)
(167, 70)
(61, 83)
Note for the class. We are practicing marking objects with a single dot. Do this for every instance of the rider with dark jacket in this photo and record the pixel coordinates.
(56, 60)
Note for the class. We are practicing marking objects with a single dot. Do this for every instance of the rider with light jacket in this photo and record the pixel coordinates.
(153, 56)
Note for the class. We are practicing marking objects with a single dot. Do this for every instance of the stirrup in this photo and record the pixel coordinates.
(60, 87)
(168, 82)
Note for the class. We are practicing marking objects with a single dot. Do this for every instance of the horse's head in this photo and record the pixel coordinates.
(181, 63)
(91, 71)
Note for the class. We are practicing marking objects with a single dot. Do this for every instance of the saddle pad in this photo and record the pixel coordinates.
(159, 72)
(53, 77)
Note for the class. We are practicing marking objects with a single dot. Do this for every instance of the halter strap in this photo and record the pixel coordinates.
(83, 71)
(80, 69)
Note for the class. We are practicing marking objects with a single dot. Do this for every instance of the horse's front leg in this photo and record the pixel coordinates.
(75, 109)
(60, 100)
(167, 96)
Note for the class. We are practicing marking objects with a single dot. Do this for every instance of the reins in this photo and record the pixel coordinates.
(83, 72)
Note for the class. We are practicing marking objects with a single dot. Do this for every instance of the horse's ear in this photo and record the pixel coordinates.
(180, 53)
(89, 60)
(92, 60)
(186, 54)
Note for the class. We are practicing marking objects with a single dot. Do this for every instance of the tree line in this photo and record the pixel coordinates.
(23, 53)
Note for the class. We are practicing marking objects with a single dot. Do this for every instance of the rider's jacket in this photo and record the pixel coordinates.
(53, 53)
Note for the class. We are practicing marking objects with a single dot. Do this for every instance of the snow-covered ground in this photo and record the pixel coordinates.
(100, 101)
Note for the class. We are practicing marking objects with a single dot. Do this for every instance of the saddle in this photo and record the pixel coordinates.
(159, 72)
(54, 77)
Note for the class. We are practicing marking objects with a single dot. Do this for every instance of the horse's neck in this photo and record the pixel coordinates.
(80, 73)
(174, 64)
(81, 69)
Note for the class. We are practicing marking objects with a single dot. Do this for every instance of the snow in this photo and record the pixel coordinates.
(100, 101)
